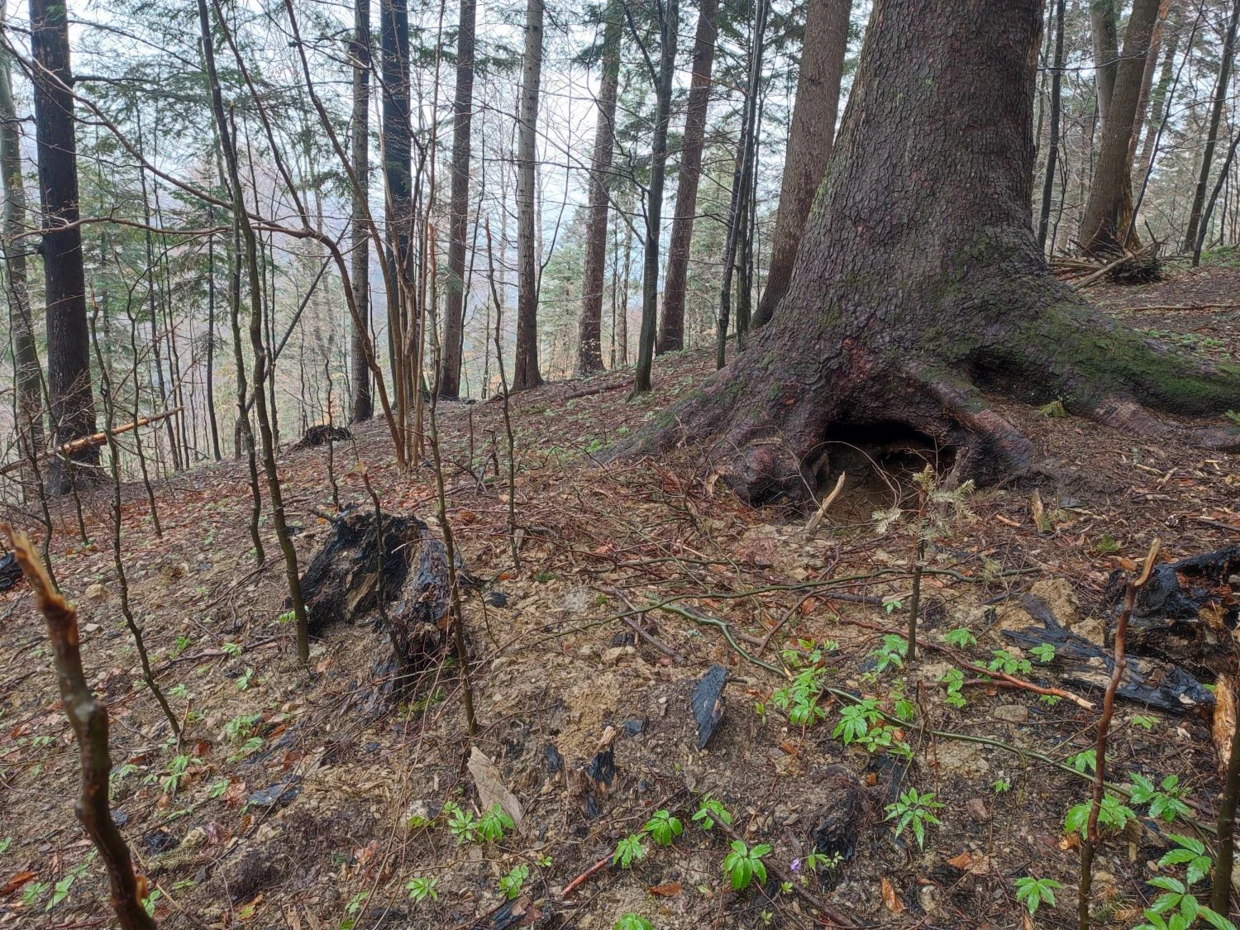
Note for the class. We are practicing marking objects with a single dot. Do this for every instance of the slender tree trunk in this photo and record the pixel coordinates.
(669, 27)
(672, 323)
(397, 161)
(1158, 96)
(525, 369)
(1216, 113)
(70, 395)
(590, 325)
(25, 351)
(1104, 21)
(458, 227)
(1147, 78)
(809, 139)
(738, 206)
(1052, 151)
(885, 330)
(1106, 226)
(250, 245)
(211, 340)
(359, 131)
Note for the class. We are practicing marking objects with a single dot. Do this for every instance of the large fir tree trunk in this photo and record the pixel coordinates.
(1107, 225)
(1216, 113)
(590, 325)
(672, 323)
(458, 223)
(525, 372)
(21, 321)
(359, 132)
(70, 395)
(809, 139)
(669, 22)
(919, 283)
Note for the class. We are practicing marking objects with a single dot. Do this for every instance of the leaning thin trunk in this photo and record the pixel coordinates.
(359, 130)
(1106, 226)
(590, 326)
(809, 140)
(672, 323)
(71, 398)
(1147, 78)
(458, 227)
(1158, 96)
(669, 25)
(525, 369)
(1216, 113)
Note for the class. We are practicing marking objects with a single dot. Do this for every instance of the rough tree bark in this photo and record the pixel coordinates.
(669, 26)
(359, 132)
(25, 353)
(70, 396)
(809, 140)
(458, 223)
(590, 325)
(920, 284)
(672, 323)
(1104, 23)
(1106, 227)
(1216, 113)
(525, 372)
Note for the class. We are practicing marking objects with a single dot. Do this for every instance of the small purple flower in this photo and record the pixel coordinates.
(796, 865)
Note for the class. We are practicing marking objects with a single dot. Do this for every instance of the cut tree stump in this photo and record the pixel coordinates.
(343, 584)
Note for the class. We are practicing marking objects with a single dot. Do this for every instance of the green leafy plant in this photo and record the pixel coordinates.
(914, 809)
(232, 650)
(663, 828)
(239, 727)
(1084, 761)
(461, 823)
(709, 810)
(1177, 909)
(1144, 722)
(244, 681)
(1043, 652)
(149, 904)
(953, 678)
(512, 883)
(60, 890)
(1106, 544)
(1192, 854)
(490, 828)
(629, 850)
(856, 720)
(961, 638)
(799, 700)
(1112, 815)
(631, 921)
(4, 844)
(1004, 661)
(890, 653)
(1001, 786)
(177, 770)
(1164, 800)
(1031, 892)
(743, 864)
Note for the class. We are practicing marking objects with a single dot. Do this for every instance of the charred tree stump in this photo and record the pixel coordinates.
(400, 586)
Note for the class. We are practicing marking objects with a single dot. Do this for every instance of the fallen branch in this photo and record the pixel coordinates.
(77, 445)
(585, 876)
(89, 718)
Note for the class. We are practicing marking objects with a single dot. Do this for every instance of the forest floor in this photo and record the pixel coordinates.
(355, 816)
